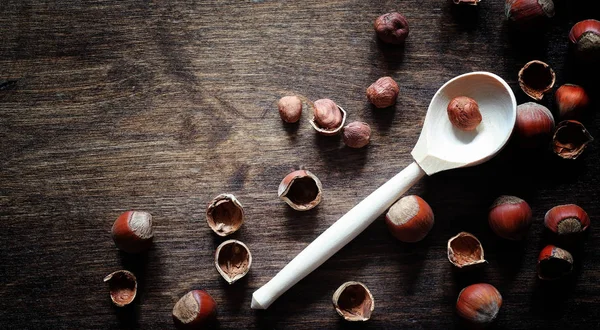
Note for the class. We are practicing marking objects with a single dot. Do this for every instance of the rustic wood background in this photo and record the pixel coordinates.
(107, 106)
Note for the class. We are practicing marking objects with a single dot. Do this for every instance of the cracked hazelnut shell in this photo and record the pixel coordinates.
(357, 134)
(132, 232)
(301, 190)
(566, 220)
(353, 301)
(290, 108)
(570, 139)
(554, 263)
(410, 219)
(465, 251)
(233, 260)
(225, 214)
(536, 78)
(123, 287)
(571, 100)
(479, 304)
(534, 125)
(383, 92)
(510, 217)
(328, 117)
(463, 113)
(194, 310)
(391, 28)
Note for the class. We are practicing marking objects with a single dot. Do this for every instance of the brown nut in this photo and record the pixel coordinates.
(570, 139)
(391, 28)
(410, 219)
(536, 78)
(301, 190)
(585, 35)
(225, 215)
(123, 287)
(194, 310)
(383, 93)
(566, 220)
(554, 263)
(357, 134)
(534, 125)
(328, 118)
(571, 100)
(466, 2)
(233, 260)
(479, 304)
(290, 108)
(526, 12)
(353, 301)
(510, 217)
(465, 251)
(463, 113)
(132, 231)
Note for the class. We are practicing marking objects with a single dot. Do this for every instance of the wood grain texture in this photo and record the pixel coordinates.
(107, 106)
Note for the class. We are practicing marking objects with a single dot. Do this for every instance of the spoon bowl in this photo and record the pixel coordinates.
(441, 146)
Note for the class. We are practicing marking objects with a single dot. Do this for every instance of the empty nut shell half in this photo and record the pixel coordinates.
(325, 120)
(353, 301)
(554, 263)
(536, 78)
(565, 220)
(465, 251)
(123, 287)
(225, 214)
(233, 260)
(301, 190)
(570, 139)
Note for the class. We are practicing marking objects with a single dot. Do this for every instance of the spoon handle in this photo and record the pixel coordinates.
(336, 236)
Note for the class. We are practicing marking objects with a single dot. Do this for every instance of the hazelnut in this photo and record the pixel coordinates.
(353, 301)
(510, 217)
(554, 263)
(132, 231)
(479, 304)
(194, 310)
(391, 28)
(123, 287)
(567, 220)
(410, 219)
(525, 12)
(290, 108)
(463, 113)
(534, 125)
(328, 117)
(301, 190)
(233, 260)
(536, 78)
(570, 139)
(571, 100)
(465, 251)
(585, 35)
(225, 214)
(357, 134)
(383, 93)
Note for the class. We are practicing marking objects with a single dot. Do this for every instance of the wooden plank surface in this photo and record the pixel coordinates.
(162, 105)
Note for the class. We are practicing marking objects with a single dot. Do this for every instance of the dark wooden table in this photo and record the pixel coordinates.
(107, 106)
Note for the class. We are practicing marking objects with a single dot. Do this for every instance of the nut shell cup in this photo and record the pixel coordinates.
(554, 263)
(233, 260)
(225, 215)
(465, 251)
(123, 287)
(536, 78)
(301, 190)
(353, 301)
(570, 139)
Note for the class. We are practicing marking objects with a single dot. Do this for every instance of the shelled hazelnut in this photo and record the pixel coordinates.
(463, 113)
(357, 134)
(233, 260)
(290, 108)
(465, 251)
(328, 117)
(383, 92)
(225, 214)
(479, 304)
(353, 301)
(132, 232)
(570, 139)
(301, 190)
(536, 78)
(194, 310)
(123, 287)
(391, 28)
(510, 217)
(410, 219)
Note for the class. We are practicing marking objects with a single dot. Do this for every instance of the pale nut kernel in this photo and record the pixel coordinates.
(357, 134)
(383, 93)
(463, 113)
(290, 108)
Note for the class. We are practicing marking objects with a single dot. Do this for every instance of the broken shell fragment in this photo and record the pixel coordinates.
(536, 78)
(225, 214)
(554, 263)
(465, 251)
(353, 301)
(233, 260)
(328, 117)
(123, 287)
(301, 190)
(570, 139)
